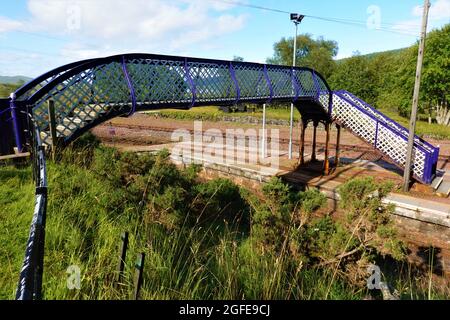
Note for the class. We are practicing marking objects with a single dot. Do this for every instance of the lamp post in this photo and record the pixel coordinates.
(296, 18)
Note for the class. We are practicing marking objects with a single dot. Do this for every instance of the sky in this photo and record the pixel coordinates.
(39, 35)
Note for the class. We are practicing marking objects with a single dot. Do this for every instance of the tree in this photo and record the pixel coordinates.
(355, 75)
(435, 85)
(436, 74)
(317, 54)
(6, 89)
(238, 59)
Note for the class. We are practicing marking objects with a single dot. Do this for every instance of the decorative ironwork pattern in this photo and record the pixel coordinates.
(85, 91)
(383, 134)
(377, 114)
(91, 91)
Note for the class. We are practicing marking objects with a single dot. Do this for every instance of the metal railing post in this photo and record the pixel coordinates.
(16, 122)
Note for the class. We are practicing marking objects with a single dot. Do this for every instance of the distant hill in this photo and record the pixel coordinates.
(13, 79)
(375, 54)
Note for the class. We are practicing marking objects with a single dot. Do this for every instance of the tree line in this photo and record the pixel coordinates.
(386, 79)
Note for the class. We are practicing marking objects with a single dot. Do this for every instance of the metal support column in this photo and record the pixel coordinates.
(294, 57)
(326, 163)
(291, 129)
(302, 142)
(338, 145)
(314, 144)
(16, 123)
(264, 137)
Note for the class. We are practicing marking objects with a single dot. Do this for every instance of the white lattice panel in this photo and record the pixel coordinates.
(389, 122)
(350, 117)
(324, 100)
(374, 131)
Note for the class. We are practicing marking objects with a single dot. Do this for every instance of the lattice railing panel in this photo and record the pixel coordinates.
(376, 132)
(159, 81)
(252, 82)
(391, 123)
(213, 82)
(324, 100)
(281, 82)
(85, 91)
(39, 86)
(94, 92)
(359, 123)
(306, 83)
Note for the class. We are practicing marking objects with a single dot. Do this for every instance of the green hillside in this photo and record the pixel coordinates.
(13, 79)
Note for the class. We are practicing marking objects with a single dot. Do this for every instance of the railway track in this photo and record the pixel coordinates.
(343, 147)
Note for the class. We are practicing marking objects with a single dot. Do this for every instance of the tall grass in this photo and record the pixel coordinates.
(202, 240)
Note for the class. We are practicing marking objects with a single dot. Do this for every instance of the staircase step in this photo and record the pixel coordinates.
(85, 115)
(95, 108)
(66, 130)
(73, 120)
(444, 189)
(437, 182)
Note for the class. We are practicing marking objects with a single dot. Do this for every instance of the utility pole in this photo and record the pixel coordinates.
(412, 124)
(296, 18)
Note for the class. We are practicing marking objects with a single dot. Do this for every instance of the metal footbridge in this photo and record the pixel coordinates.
(89, 92)
(68, 101)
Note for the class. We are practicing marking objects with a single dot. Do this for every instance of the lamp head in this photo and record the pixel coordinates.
(296, 18)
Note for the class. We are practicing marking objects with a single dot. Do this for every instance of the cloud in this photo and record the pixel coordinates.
(133, 21)
(439, 10)
(92, 28)
(7, 25)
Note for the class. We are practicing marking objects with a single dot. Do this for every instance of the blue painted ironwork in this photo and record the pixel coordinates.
(16, 123)
(233, 76)
(269, 84)
(30, 280)
(130, 86)
(316, 84)
(94, 90)
(424, 155)
(89, 92)
(191, 82)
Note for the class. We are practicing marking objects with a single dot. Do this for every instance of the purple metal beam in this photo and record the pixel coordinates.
(130, 86)
(16, 122)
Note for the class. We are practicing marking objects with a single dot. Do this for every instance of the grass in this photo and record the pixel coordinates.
(423, 128)
(199, 244)
(211, 113)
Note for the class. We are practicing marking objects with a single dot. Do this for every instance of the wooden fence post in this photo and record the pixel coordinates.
(123, 255)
